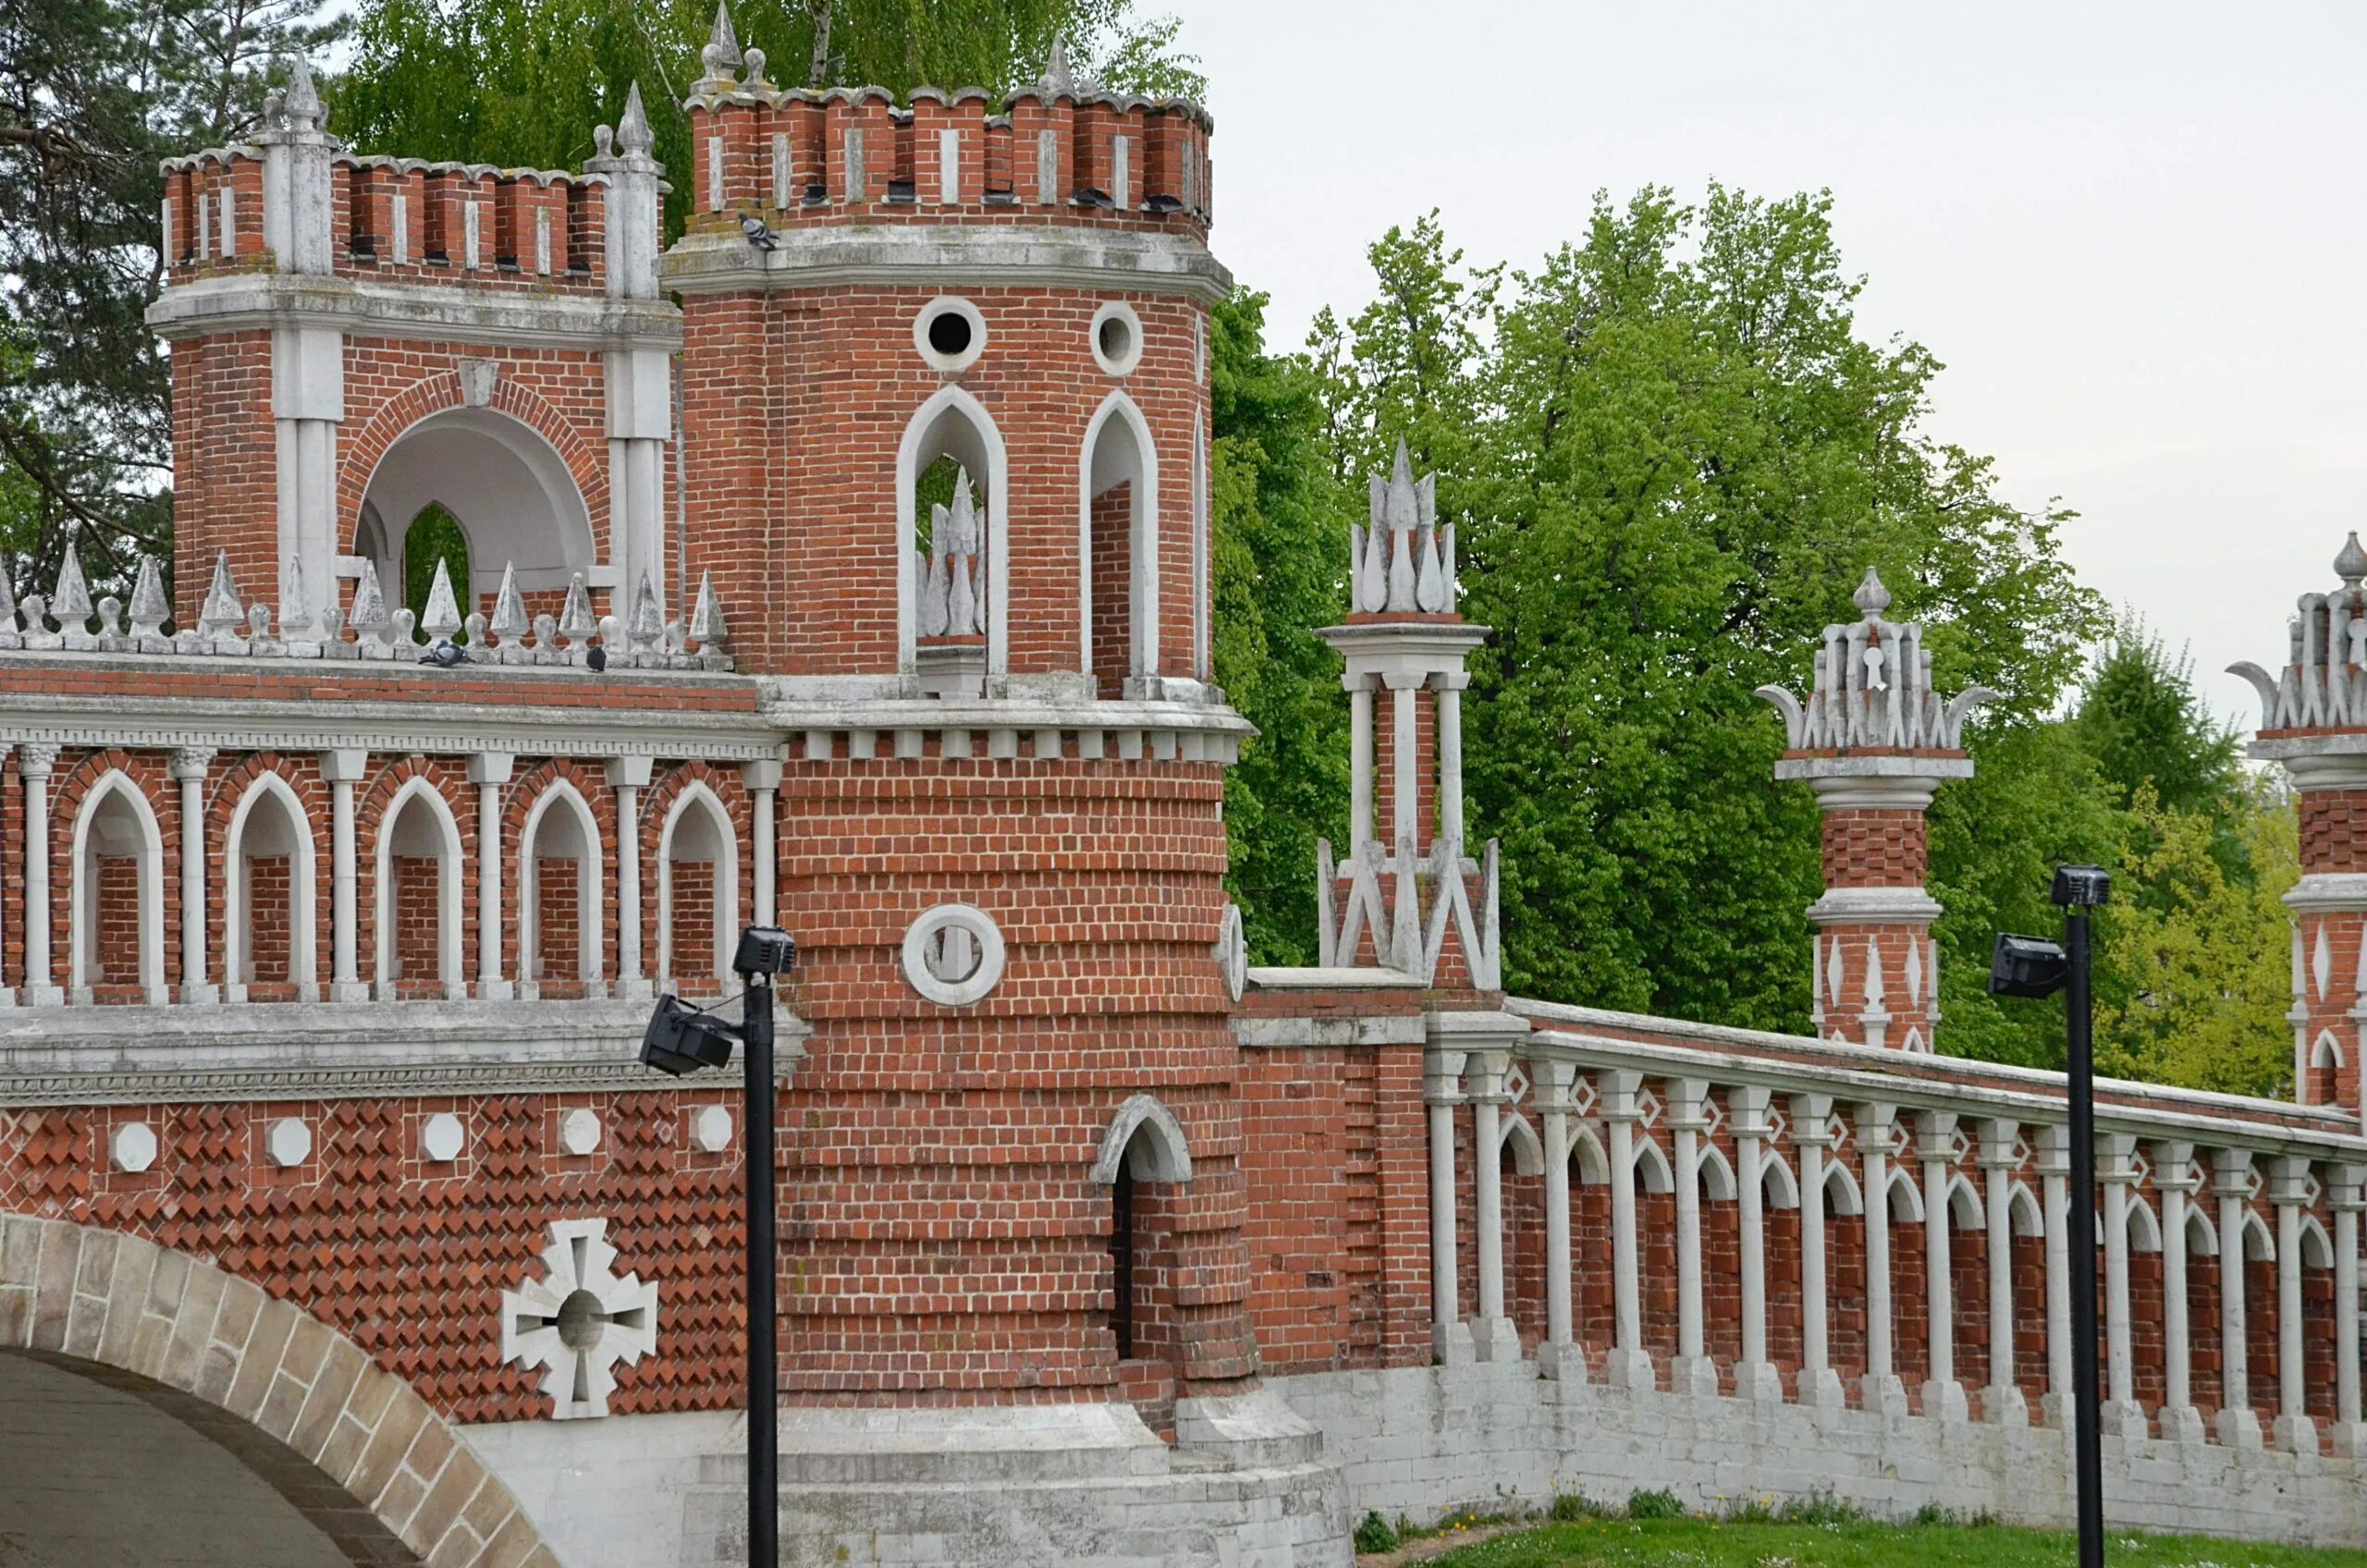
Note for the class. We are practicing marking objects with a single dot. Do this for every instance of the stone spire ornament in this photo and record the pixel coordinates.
(647, 626)
(576, 622)
(632, 129)
(221, 613)
(302, 104)
(71, 602)
(150, 608)
(721, 56)
(510, 623)
(443, 616)
(1401, 563)
(707, 618)
(1057, 82)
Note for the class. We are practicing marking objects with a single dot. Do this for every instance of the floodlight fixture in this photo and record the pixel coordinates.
(2081, 887)
(2027, 966)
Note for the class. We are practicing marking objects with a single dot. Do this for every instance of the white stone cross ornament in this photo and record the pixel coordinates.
(578, 1319)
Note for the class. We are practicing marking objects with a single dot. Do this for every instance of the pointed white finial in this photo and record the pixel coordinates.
(149, 606)
(633, 129)
(71, 602)
(443, 616)
(707, 617)
(302, 104)
(221, 613)
(1871, 598)
(1055, 82)
(721, 56)
(647, 624)
(576, 622)
(296, 612)
(2351, 564)
(370, 622)
(509, 621)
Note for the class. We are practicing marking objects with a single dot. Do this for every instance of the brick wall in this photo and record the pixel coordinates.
(115, 954)
(270, 906)
(558, 924)
(416, 903)
(1112, 588)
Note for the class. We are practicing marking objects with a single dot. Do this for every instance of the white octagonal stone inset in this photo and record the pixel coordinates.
(441, 1138)
(134, 1146)
(711, 1128)
(289, 1142)
(579, 1131)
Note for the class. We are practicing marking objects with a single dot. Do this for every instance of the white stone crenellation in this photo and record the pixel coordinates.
(1402, 561)
(2323, 680)
(1872, 688)
(68, 620)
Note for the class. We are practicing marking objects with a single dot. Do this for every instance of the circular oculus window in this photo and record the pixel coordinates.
(1117, 338)
(953, 955)
(950, 334)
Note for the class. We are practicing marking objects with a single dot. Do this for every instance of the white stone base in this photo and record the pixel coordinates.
(2005, 1406)
(1566, 1363)
(1045, 1486)
(1421, 1440)
(1494, 1338)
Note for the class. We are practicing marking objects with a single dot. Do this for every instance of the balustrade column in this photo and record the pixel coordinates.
(2001, 1401)
(1558, 1356)
(1688, 1119)
(1755, 1378)
(1441, 1092)
(2238, 1423)
(628, 776)
(1494, 1338)
(1449, 688)
(1811, 1135)
(763, 782)
(1942, 1395)
(1631, 1365)
(1877, 1131)
(2291, 1190)
(2173, 1177)
(489, 771)
(2054, 1168)
(7, 992)
(2347, 1197)
(187, 769)
(343, 770)
(1404, 757)
(1360, 790)
(41, 977)
(2118, 1167)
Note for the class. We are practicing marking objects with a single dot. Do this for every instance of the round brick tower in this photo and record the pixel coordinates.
(945, 438)
(1874, 740)
(2314, 719)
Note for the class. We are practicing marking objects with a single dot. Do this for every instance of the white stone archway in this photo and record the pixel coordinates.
(268, 818)
(507, 485)
(115, 822)
(1118, 449)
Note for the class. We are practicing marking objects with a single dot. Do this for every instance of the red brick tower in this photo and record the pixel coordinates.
(1874, 740)
(2314, 719)
(946, 422)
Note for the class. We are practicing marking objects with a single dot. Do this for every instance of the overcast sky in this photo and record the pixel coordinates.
(2133, 234)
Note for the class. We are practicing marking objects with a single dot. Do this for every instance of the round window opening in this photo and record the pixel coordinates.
(953, 955)
(581, 1318)
(949, 334)
(1117, 338)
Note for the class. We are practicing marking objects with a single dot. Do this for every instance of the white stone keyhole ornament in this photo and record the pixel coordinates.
(578, 1319)
(953, 955)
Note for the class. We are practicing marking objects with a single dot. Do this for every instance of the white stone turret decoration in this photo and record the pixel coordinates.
(1872, 689)
(579, 1320)
(2323, 680)
(1402, 563)
(950, 577)
(721, 57)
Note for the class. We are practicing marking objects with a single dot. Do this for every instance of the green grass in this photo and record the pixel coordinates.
(1701, 1543)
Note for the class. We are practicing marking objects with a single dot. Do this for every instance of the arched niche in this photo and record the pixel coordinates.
(269, 896)
(117, 946)
(1118, 543)
(505, 484)
(953, 424)
(560, 902)
(1519, 1140)
(698, 890)
(419, 877)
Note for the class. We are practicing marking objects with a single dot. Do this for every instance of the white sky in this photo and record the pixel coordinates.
(2134, 234)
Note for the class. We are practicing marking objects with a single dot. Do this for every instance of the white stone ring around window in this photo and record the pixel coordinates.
(953, 954)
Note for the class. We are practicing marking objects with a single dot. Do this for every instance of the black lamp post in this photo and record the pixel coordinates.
(681, 1040)
(2032, 966)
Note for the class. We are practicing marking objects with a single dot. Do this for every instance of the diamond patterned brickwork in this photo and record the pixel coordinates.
(1874, 849)
(409, 1257)
(2334, 831)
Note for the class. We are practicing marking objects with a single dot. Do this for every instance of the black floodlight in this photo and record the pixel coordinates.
(681, 1040)
(2027, 966)
(2081, 887)
(765, 949)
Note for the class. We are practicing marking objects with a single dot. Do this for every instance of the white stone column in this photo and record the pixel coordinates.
(1877, 1132)
(187, 769)
(1936, 1146)
(628, 776)
(2054, 1167)
(1755, 1377)
(2231, 1180)
(1631, 1365)
(1360, 758)
(2175, 1178)
(1811, 1135)
(1404, 776)
(1448, 686)
(1558, 1356)
(2289, 1189)
(763, 782)
(342, 770)
(490, 771)
(2000, 1402)
(41, 988)
(2117, 1167)
(1441, 1092)
(1494, 1338)
(8, 992)
(2346, 1195)
(1688, 1119)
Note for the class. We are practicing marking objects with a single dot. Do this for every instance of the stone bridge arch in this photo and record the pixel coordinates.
(313, 1452)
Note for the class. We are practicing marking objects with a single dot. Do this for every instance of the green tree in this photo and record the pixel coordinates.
(1281, 527)
(437, 535)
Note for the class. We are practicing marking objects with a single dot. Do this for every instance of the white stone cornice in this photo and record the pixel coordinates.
(1887, 781)
(268, 302)
(939, 256)
(2328, 892)
(1875, 906)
